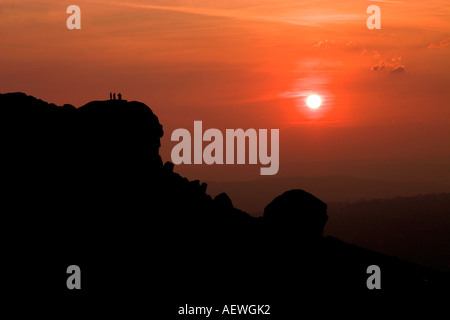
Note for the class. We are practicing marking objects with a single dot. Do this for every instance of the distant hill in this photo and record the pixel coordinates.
(252, 196)
(416, 228)
(405, 227)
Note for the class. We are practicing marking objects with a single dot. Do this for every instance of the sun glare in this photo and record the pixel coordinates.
(314, 101)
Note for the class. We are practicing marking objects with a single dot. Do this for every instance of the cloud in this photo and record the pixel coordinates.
(439, 45)
(339, 44)
(376, 55)
(386, 1)
(351, 44)
(244, 13)
(324, 44)
(383, 64)
(393, 65)
(399, 69)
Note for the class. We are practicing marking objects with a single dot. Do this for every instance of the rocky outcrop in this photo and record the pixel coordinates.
(87, 186)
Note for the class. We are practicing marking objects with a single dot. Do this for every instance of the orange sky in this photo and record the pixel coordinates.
(250, 64)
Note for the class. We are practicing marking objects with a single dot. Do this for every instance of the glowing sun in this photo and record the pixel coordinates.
(313, 101)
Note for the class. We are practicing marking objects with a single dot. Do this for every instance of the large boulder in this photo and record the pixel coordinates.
(298, 213)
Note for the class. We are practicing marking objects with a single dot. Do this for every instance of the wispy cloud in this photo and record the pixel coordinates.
(245, 14)
(439, 45)
(393, 65)
(222, 13)
(385, 1)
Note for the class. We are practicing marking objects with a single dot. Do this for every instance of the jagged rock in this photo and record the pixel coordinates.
(169, 166)
(223, 200)
(195, 183)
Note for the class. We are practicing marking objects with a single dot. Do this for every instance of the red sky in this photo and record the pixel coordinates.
(251, 64)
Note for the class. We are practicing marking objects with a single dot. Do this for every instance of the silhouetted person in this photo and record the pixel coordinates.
(114, 96)
(120, 96)
(110, 96)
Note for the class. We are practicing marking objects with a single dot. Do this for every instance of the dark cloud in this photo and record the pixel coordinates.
(399, 69)
(439, 45)
(393, 65)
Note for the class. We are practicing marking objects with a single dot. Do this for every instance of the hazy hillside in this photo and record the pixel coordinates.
(406, 225)
(253, 196)
(412, 228)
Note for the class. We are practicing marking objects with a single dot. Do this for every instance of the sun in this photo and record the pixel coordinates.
(313, 101)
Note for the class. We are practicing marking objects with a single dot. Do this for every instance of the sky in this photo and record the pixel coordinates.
(251, 64)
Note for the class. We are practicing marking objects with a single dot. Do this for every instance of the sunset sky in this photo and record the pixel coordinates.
(251, 64)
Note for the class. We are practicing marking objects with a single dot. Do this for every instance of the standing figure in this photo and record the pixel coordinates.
(114, 96)
(120, 96)
(110, 96)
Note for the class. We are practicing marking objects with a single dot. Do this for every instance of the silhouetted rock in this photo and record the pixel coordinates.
(297, 212)
(169, 166)
(224, 201)
(87, 186)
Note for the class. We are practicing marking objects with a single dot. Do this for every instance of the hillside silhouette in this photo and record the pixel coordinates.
(330, 188)
(87, 186)
(413, 228)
